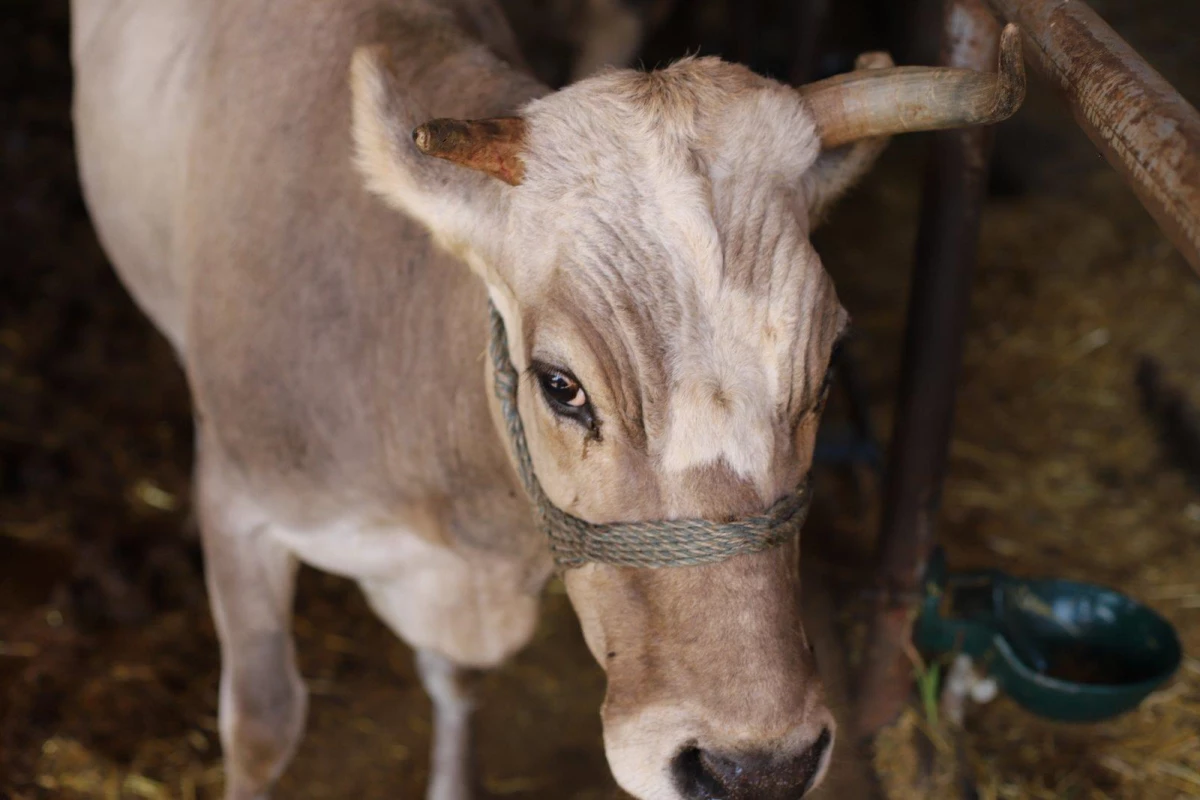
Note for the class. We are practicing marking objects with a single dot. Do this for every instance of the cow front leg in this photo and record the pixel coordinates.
(451, 762)
(262, 704)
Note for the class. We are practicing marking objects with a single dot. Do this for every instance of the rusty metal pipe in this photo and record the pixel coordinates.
(947, 244)
(1144, 128)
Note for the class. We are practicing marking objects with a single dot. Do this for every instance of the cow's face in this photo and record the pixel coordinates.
(672, 327)
(675, 330)
(645, 237)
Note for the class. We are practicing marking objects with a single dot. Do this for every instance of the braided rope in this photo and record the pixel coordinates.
(660, 543)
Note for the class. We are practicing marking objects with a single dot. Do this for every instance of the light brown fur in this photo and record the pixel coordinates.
(657, 246)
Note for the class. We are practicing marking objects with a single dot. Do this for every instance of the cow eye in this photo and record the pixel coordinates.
(563, 390)
(826, 386)
(565, 394)
(830, 374)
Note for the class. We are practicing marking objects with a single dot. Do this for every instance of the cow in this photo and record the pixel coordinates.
(317, 202)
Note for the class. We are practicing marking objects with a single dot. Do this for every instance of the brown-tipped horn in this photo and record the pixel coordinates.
(879, 102)
(493, 146)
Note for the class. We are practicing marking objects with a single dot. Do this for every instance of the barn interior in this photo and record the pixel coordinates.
(1070, 458)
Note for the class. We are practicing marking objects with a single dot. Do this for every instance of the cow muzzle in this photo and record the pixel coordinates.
(688, 752)
(701, 774)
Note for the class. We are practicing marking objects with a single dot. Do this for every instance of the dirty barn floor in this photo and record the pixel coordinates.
(108, 664)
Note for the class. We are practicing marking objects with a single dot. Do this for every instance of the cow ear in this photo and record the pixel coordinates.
(460, 194)
(838, 169)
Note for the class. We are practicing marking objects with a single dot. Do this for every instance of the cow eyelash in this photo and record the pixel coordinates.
(831, 371)
(826, 387)
(830, 376)
(826, 383)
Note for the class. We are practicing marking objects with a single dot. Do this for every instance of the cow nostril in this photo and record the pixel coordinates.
(692, 775)
(809, 763)
(727, 771)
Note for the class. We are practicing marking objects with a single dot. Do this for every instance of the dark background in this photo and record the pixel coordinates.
(108, 663)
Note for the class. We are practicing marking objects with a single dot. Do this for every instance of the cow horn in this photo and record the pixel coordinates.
(878, 102)
(492, 146)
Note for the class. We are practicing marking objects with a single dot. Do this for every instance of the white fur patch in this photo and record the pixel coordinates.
(640, 749)
(724, 400)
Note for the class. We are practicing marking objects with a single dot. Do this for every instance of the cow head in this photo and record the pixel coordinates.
(645, 237)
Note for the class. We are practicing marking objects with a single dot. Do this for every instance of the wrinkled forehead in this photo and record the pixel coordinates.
(687, 169)
(661, 226)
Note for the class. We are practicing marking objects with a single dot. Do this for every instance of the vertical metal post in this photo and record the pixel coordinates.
(947, 245)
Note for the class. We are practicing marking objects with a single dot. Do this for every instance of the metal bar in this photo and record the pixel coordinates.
(947, 244)
(1144, 128)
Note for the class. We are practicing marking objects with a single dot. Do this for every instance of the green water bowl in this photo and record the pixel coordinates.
(1067, 651)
